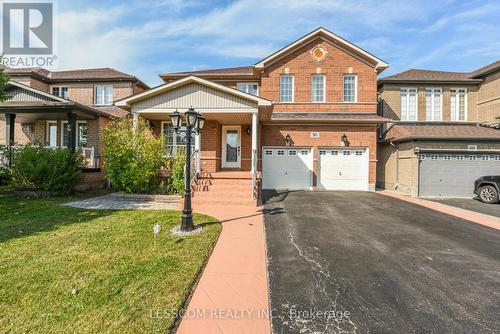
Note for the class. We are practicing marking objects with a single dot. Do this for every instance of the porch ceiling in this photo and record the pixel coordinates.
(221, 117)
(29, 116)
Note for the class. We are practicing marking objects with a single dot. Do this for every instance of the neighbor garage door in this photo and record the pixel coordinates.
(453, 175)
(343, 169)
(287, 168)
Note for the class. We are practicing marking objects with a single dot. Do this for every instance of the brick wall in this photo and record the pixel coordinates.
(274, 135)
(488, 99)
(83, 92)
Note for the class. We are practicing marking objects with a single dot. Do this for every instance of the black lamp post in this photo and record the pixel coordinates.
(194, 122)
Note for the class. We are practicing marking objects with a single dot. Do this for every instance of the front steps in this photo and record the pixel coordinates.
(223, 188)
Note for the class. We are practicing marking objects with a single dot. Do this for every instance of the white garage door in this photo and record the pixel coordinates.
(287, 168)
(343, 169)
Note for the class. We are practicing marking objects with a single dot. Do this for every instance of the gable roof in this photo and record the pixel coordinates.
(90, 74)
(328, 36)
(416, 75)
(230, 71)
(127, 102)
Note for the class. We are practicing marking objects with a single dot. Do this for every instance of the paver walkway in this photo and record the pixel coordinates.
(110, 202)
(232, 294)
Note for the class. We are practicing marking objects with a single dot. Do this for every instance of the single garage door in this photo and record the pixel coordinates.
(287, 168)
(453, 175)
(343, 169)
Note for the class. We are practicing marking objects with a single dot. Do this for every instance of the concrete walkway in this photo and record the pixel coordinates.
(113, 202)
(479, 218)
(232, 294)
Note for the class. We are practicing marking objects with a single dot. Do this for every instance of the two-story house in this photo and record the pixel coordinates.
(304, 117)
(444, 131)
(44, 104)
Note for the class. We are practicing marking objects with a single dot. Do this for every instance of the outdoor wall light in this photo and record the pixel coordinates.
(200, 121)
(249, 131)
(288, 140)
(343, 140)
(191, 117)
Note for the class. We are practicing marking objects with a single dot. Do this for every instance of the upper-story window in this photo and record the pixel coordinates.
(350, 88)
(60, 91)
(318, 88)
(433, 104)
(408, 104)
(458, 104)
(248, 87)
(103, 95)
(286, 88)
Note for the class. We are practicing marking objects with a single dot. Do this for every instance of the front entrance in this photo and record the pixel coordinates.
(231, 146)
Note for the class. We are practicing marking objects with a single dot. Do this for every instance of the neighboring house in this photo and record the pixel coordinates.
(444, 133)
(305, 116)
(44, 103)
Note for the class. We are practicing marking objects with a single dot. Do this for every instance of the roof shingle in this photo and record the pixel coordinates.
(404, 132)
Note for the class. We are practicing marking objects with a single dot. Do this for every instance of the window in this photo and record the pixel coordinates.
(472, 157)
(334, 152)
(346, 152)
(269, 152)
(60, 91)
(286, 88)
(103, 95)
(305, 152)
(447, 157)
(497, 157)
(322, 152)
(350, 88)
(318, 88)
(458, 104)
(81, 134)
(460, 157)
(433, 105)
(175, 142)
(485, 157)
(408, 104)
(434, 157)
(281, 152)
(51, 133)
(248, 87)
(292, 152)
(359, 152)
(422, 157)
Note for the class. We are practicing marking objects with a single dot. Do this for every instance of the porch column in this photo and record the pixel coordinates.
(135, 120)
(254, 143)
(9, 128)
(197, 147)
(72, 131)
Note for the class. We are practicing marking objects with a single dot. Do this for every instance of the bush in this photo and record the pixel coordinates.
(4, 165)
(132, 158)
(177, 173)
(35, 167)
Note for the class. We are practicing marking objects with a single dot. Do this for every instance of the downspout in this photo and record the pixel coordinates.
(396, 146)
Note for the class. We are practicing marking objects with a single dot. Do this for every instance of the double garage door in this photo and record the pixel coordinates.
(293, 168)
(453, 175)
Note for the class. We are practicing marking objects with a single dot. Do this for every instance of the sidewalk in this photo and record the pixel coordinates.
(232, 294)
(472, 216)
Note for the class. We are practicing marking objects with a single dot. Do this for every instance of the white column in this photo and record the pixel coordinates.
(197, 147)
(254, 142)
(135, 120)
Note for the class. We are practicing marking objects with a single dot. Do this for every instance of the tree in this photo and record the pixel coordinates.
(4, 79)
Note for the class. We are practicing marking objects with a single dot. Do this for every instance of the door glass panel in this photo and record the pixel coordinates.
(232, 146)
(52, 135)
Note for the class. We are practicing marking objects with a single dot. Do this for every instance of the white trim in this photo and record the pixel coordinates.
(224, 163)
(332, 38)
(248, 83)
(105, 95)
(60, 88)
(407, 89)
(293, 88)
(127, 102)
(355, 76)
(466, 106)
(324, 87)
(77, 138)
(47, 132)
(433, 102)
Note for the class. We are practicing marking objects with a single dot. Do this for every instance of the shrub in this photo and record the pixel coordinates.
(35, 167)
(132, 158)
(4, 164)
(177, 173)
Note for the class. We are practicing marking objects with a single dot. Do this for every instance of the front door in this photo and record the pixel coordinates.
(231, 146)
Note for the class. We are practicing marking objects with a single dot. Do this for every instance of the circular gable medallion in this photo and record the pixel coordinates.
(318, 53)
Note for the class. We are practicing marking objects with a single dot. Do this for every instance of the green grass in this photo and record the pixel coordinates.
(121, 276)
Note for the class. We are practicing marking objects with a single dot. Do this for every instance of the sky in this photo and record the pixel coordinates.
(146, 38)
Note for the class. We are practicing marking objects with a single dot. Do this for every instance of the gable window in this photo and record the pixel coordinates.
(248, 87)
(408, 104)
(318, 88)
(103, 95)
(286, 88)
(458, 104)
(60, 91)
(350, 88)
(433, 104)
(176, 142)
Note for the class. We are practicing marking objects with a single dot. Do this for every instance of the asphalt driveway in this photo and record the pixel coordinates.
(359, 262)
(471, 204)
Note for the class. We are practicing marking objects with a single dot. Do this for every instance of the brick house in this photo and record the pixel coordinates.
(444, 131)
(304, 117)
(45, 103)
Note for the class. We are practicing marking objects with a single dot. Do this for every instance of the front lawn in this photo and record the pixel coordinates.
(68, 270)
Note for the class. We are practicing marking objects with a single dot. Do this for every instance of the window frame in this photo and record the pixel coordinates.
(105, 95)
(293, 88)
(247, 84)
(407, 90)
(433, 89)
(174, 145)
(355, 88)
(457, 105)
(47, 132)
(59, 88)
(323, 76)
(77, 137)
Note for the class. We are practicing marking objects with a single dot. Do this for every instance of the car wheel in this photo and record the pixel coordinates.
(488, 194)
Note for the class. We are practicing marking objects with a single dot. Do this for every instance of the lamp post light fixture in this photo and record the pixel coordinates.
(194, 122)
(288, 140)
(343, 140)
